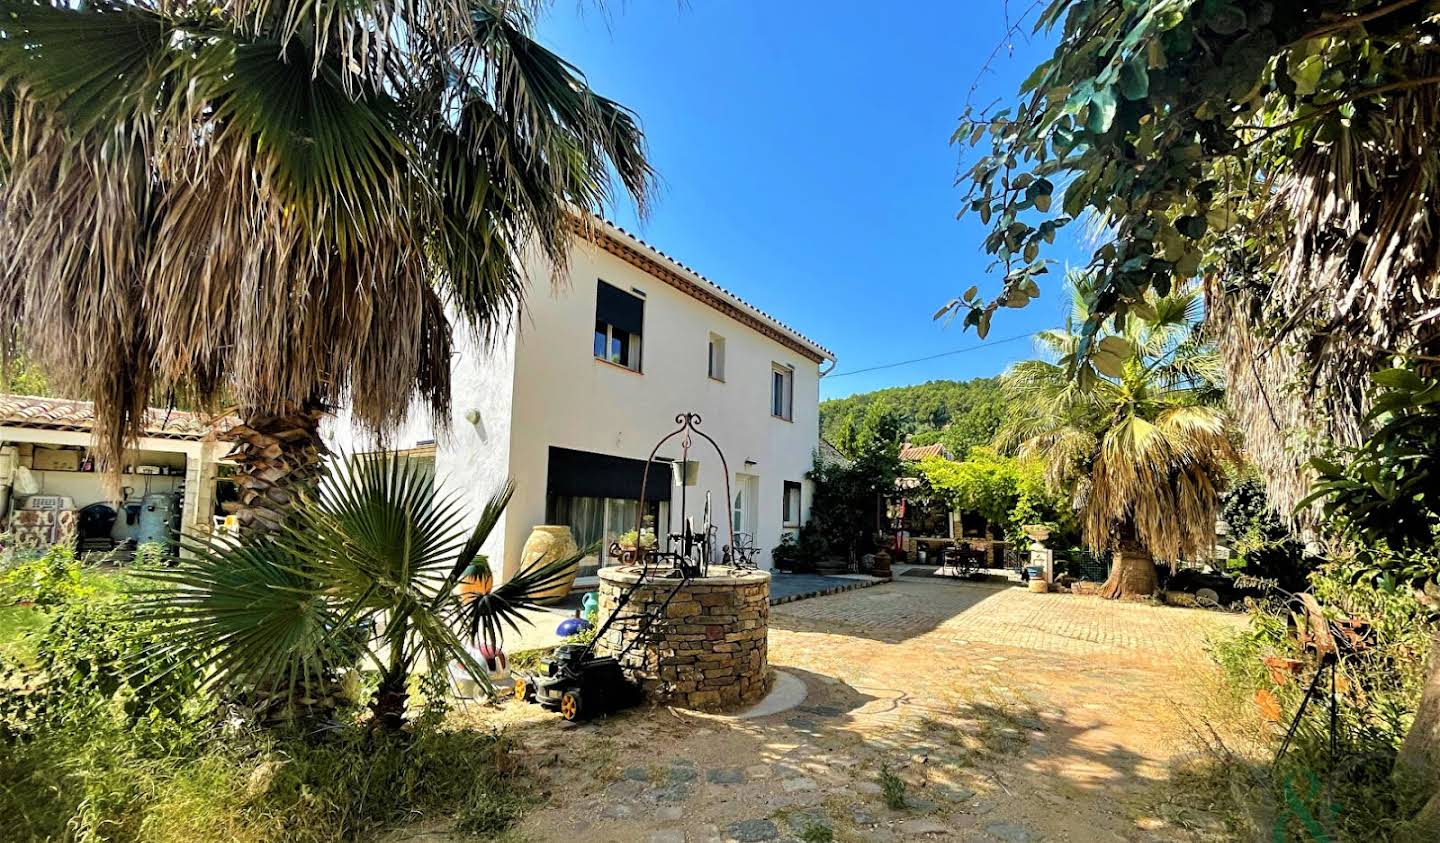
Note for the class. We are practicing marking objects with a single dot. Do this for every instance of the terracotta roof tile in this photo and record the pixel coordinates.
(618, 234)
(915, 453)
(38, 413)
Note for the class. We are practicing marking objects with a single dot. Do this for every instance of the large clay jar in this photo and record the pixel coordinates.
(547, 543)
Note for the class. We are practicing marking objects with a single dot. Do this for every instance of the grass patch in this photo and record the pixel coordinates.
(16, 622)
(164, 782)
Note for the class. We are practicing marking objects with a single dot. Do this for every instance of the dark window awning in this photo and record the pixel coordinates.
(619, 308)
(583, 474)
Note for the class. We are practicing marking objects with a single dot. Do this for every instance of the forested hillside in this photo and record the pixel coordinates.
(960, 414)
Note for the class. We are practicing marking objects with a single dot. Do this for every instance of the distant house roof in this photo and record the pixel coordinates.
(915, 453)
(830, 455)
(36, 413)
(621, 243)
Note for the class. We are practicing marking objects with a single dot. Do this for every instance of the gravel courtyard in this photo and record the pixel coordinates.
(993, 713)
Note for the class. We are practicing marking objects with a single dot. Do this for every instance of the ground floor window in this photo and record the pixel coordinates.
(602, 520)
(598, 497)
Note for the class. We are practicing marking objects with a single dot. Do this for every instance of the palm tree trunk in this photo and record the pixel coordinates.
(392, 694)
(1133, 574)
(278, 455)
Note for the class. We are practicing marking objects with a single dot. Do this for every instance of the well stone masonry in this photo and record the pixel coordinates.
(708, 651)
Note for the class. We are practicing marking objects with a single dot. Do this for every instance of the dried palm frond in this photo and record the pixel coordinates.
(1142, 451)
(277, 203)
(1355, 282)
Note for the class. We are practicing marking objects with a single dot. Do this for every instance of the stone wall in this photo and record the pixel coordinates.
(708, 651)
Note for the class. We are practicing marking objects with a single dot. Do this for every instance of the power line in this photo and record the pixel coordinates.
(933, 356)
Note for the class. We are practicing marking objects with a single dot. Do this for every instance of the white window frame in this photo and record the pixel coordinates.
(786, 398)
(715, 358)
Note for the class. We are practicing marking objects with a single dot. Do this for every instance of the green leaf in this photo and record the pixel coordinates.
(1306, 74)
(1135, 78)
(1398, 379)
(1102, 111)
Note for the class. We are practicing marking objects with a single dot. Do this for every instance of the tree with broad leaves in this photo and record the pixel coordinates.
(1283, 151)
(281, 205)
(1286, 153)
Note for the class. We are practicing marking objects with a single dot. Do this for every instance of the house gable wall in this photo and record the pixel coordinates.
(565, 397)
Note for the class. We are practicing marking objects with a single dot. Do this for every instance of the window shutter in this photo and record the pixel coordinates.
(619, 308)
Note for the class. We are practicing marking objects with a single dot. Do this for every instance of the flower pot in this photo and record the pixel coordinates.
(546, 544)
(1039, 585)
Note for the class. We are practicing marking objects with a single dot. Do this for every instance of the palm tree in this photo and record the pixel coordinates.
(376, 568)
(279, 204)
(1135, 434)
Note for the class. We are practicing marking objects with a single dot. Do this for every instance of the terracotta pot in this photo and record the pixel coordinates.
(548, 543)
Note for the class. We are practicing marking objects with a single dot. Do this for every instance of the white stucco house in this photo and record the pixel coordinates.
(571, 401)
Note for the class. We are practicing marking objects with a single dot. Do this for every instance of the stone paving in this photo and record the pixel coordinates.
(935, 711)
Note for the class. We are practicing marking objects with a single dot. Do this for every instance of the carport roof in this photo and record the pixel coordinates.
(37, 413)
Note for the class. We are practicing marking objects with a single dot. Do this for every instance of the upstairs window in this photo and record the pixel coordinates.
(716, 365)
(619, 323)
(782, 391)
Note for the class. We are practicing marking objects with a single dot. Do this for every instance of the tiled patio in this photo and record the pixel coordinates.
(1008, 715)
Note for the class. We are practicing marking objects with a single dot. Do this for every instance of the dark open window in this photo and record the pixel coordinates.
(619, 323)
(791, 505)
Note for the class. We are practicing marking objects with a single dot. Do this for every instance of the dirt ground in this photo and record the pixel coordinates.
(990, 712)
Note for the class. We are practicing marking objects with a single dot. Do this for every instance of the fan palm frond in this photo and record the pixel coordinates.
(1142, 450)
(272, 203)
(368, 569)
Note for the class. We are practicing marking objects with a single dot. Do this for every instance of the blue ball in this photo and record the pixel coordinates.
(571, 626)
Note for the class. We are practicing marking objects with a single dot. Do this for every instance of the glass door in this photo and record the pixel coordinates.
(742, 507)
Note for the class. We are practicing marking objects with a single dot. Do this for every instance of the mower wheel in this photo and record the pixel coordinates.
(524, 691)
(571, 707)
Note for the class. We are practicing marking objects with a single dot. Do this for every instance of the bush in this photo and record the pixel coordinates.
(100, 740)
(801, 554)
(1264, 547)
(49, 578)
(1308, 794)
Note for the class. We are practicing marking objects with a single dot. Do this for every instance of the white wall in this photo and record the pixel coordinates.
(565, 397)
(472, 460)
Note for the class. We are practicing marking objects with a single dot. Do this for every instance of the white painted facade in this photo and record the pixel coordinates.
(541, 386)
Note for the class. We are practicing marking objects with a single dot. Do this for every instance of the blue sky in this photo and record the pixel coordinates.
(805, 164)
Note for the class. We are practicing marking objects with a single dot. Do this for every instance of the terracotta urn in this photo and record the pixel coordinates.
(548, 543)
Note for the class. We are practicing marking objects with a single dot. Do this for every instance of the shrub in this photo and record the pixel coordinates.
(892, 790)
(1308, 793)
(49, 578)
(801, 554)
(1264, 547)
(100, 739)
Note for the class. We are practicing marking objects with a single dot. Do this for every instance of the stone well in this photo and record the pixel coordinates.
(708, 651)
